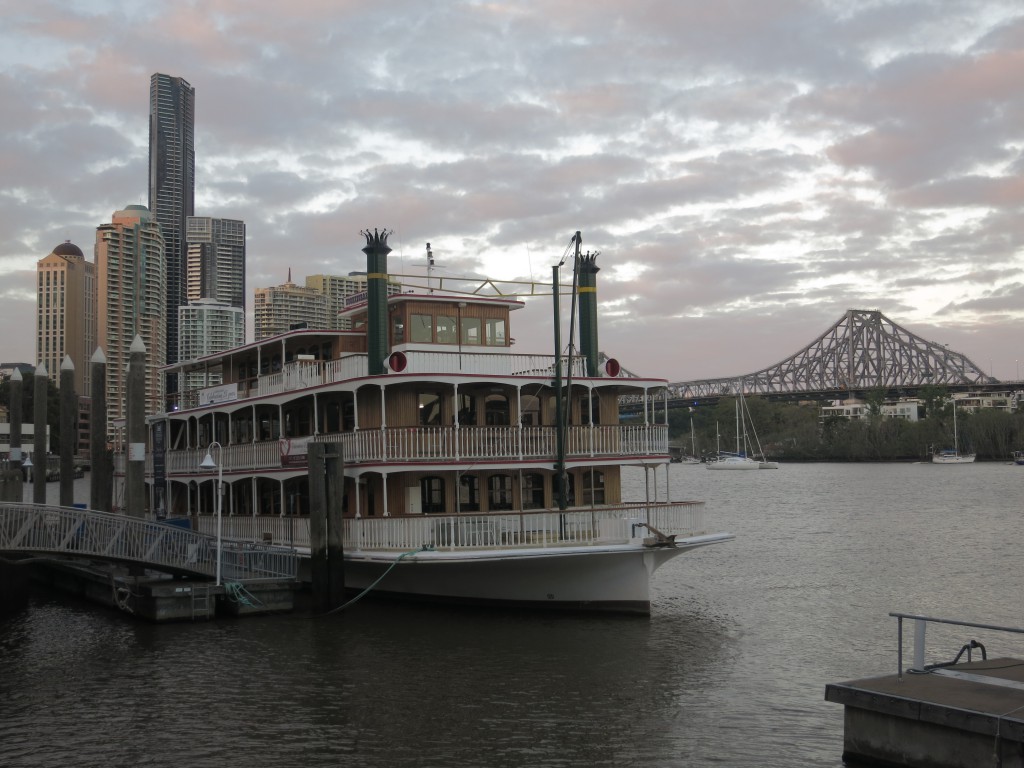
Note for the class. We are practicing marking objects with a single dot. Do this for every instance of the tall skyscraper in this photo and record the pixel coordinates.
(66, 313)
(215, 264)
(207, 326)
(282, 307)
(172, 182)
(131, 282)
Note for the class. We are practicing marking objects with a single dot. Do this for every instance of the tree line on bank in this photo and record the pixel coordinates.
(796, 432)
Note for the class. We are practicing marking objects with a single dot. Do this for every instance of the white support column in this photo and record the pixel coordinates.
(383, 426)
(384, 491)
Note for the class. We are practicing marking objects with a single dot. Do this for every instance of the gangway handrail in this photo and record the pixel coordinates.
(919, 633)
(88, 534)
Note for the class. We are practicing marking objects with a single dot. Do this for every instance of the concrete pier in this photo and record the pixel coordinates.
(162, 599)
(967, 715)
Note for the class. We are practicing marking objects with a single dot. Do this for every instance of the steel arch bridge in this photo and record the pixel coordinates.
(863, 350)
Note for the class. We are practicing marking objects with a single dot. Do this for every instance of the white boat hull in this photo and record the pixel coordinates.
(596, 578)
(950, 458)
(732, 463)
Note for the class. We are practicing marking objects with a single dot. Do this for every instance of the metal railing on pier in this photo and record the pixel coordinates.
(74, 533)
(920, 625)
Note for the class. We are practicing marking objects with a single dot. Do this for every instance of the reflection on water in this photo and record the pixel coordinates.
(730, 669)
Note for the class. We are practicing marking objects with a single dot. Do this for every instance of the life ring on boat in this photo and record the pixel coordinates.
(396, 362)
(286, 446)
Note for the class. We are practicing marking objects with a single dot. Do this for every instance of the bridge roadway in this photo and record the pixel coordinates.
(64, 533)
(682, 396)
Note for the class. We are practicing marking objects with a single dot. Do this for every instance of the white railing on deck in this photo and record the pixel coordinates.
(425, 444)
(301, 374)
(577, 526)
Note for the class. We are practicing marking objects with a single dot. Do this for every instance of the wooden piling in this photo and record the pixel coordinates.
(68, 431)
(39, 457)
(326, 494)
(101, 475)
(135, 474)
(12, 482)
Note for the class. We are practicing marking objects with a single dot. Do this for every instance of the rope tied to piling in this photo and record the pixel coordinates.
(379, 579)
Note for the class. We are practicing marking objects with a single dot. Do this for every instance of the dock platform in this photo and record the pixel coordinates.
(962, 716)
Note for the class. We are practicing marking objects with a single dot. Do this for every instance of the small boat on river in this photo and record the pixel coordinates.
(472, 472)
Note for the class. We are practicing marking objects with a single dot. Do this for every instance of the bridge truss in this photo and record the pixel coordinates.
(863, 350)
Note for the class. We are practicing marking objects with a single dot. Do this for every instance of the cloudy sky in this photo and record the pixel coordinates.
(748, 169)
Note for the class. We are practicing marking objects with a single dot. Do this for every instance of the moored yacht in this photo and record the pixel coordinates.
(471, 472)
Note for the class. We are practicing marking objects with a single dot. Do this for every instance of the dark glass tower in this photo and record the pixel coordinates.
(172, 184)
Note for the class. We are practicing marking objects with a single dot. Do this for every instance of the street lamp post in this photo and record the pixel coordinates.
(209, 463)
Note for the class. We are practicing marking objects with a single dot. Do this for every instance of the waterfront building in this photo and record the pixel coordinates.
(207, 327)
(341, 290)
(215, 261)
(281, 308)
(131, 300)
(858, 410)
(172, 185)
(66, 313)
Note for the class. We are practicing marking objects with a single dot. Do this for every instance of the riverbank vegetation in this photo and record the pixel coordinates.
(796, 432)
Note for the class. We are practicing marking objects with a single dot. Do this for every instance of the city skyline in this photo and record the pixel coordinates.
(748, 172)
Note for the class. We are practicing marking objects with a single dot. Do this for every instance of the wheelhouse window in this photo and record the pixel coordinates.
(447, 330)
(421, 328)
(469, 493)
(397, 330)
(471, 330)
(432, 494)
(499, 492)
(495, 332)
(533, 490)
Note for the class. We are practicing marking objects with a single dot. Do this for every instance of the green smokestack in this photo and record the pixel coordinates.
(588, 311)
(376, 251)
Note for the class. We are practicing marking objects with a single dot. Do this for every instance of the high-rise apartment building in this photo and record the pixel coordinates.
(215, 263)
(172, 181)
(339, 289)
(66, 313)
(131, 283)
(205, 327)
(281, 308)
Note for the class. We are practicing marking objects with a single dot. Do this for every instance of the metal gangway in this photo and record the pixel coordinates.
(70, 533)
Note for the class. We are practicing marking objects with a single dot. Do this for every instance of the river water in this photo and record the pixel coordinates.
(729, 670)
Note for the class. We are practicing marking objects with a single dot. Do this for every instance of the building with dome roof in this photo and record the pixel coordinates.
(66, 313)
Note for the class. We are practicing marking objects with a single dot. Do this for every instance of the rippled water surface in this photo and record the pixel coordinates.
(729, 670)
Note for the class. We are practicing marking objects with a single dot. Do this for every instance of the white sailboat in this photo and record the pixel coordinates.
(953, 455)
(742, 459)
(738, 460)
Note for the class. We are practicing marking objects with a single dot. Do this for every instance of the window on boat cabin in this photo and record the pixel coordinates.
(593, 486)
(496, 410)
(529, 410)
(467, 410)
(421, 328)
(499, 492)
(471, 330)
(533, 490)
(495, 331)
(429, 409)
(432, 494)
(469, 493)
(397, 329)
(595, 407)
(447, 330)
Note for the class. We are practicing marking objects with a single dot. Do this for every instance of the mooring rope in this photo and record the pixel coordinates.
(361, 595)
